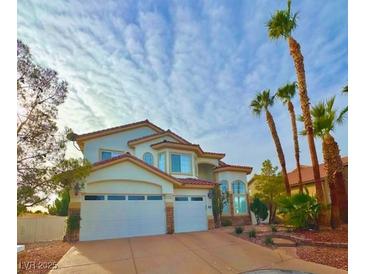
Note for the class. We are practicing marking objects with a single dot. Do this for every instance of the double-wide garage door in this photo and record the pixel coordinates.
(118, 216)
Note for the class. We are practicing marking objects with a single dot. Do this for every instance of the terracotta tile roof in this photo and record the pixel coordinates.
(222, 166)
(180, 181)
(122, 127)
(307, 173)
(194, 181)
(193, 147)
(151, 137)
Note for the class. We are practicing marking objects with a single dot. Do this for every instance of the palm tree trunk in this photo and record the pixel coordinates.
(339, 179)
(330, 163)
(298, 59)
(296, 143)
(279, 150)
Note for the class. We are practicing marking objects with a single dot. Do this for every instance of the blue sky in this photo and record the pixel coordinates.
(191, 66)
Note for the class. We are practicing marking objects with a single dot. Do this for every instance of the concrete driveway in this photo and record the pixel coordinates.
(200, 252)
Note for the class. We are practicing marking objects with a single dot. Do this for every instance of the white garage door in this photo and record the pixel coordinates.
(118, 216)
(190, 214)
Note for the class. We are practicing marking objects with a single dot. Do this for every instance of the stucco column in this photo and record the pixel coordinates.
(73, 210)
(169, 207)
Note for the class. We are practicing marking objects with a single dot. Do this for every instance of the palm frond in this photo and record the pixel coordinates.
(286, 92)
(282, 23)
(262, 101)
(342, 115)
(345, 89)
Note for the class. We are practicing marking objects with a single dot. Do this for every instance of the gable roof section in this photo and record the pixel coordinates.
(179, 182)
(235, 168)
(307, 173)
(134, 142)
(80, 138)
(189, 147)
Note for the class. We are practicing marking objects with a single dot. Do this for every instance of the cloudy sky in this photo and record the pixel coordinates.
(191, 66)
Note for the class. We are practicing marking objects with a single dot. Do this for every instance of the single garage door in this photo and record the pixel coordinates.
(118, 216)
(190, 213)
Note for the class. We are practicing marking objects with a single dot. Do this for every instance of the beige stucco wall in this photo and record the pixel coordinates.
(232, 176)
(141, 149)
(118, 141)
(125, 172)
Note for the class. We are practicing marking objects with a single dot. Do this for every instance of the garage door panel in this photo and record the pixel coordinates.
(110, 219)
(190, 216)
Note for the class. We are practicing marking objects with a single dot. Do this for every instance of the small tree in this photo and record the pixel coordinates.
(269, 187)
(259, 209)
(60, 206)
(219, 200)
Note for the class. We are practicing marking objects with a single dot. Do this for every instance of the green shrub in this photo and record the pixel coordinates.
(259, 209)
(226, 222)
(238, 229)
(73, 223)
(252, 233)
(300, 210)
(273, 228)
(268, 241)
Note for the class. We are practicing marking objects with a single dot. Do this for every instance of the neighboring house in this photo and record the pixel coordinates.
(148, 181)
(308, 180)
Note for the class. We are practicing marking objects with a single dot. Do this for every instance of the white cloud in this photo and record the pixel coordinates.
(192, 67)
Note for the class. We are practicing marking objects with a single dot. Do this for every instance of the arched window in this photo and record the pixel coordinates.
(239, 187)
(224, 190)
(239, 197)
(148, 158)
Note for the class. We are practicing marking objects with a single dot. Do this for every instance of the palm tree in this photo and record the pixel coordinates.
(286, 94)
(325, 119)
(262, 102)
(281, 25)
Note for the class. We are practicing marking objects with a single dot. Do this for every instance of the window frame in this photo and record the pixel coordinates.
(94, 195)
(152, 158)
(115, 196)
(136, 195)
(101, 150)
(239, 195)
(181, 153)
(158, 161)
(181, 198)
(228, 206)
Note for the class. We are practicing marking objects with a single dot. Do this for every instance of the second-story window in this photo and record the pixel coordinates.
(181, 163)
(148, 158)
(107, 154)
(162, 161)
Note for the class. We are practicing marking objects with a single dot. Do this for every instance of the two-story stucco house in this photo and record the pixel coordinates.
(148, 181)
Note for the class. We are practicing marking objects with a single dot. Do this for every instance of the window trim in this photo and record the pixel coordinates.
(158, 161)
(182, 196)
(159, 196)
(116, 195)
(153, 158)
(181, 153)
(197, 197)
(243, 194)
(136, 195)
(94, 195)
(228, 212)
(108, 150)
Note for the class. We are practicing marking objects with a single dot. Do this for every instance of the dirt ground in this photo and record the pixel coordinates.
(41, 257)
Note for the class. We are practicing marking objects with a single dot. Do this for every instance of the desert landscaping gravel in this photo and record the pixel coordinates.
(41, 257)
